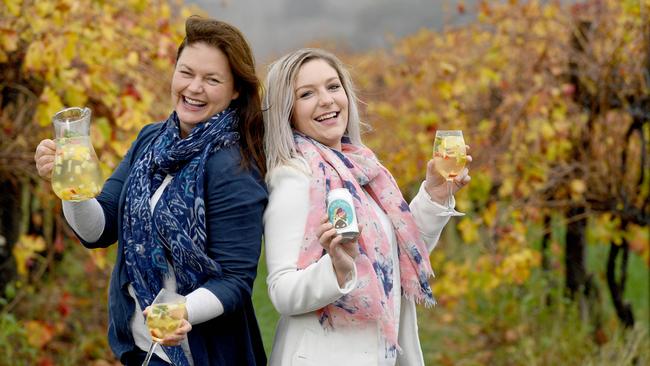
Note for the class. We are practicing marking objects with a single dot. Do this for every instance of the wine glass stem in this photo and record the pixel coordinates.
(149, 353)
(449, 195)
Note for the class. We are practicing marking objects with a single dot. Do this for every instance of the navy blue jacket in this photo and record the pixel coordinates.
(235, 199)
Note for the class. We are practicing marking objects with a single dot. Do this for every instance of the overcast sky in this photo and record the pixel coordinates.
(276, 26)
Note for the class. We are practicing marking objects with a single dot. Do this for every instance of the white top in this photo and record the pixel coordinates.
(387, 226)
(86, 218)
(297, 294)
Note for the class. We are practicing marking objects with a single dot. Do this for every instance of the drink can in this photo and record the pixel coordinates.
(341, 213)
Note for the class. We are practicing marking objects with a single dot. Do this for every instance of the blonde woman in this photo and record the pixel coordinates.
(341, 303)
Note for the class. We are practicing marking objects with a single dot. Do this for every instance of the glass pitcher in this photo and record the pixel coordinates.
(76, 175)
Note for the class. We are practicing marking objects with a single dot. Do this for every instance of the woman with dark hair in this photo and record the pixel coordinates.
(185, 206)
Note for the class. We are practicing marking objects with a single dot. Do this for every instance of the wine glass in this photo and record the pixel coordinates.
(164, 317)
(450, 157)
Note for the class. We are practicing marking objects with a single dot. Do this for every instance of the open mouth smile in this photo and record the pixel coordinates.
(326, 116)
(193, 102)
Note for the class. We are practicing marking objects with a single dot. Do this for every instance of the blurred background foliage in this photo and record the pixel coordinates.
(550, 265)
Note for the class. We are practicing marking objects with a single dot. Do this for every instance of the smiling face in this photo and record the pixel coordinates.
(202, 85)
(320, 110)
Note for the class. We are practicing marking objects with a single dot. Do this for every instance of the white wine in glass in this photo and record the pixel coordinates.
(164, 317)
(450, 157)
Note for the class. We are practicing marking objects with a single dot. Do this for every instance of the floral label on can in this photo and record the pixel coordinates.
(340, 211)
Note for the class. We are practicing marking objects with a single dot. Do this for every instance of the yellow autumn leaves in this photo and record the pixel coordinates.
(108, 56)
(510, 82)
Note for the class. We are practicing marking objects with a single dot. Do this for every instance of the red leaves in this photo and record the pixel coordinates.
(460, 8)
(64, 307)
(568, 90)
(130, 90)
(45, 361)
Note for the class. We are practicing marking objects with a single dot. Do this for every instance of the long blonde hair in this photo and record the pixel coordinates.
(279, 98)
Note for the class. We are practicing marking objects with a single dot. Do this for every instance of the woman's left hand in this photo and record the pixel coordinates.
(178, 336)
(436, 185)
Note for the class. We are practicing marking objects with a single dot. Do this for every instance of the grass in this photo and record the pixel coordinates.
(637, 288)
(267, 316)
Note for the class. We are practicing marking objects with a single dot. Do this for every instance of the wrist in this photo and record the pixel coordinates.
(438, 196)
(344, 276)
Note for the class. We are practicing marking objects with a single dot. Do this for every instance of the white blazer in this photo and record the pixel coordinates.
(300, 340)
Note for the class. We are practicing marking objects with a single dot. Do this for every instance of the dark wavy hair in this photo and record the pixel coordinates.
(233, 44)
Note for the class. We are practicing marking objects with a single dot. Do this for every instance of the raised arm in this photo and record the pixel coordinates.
(425, 213)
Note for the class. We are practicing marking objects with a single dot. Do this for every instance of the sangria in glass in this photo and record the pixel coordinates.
(450, 157)
(164, 317)
(76, 175)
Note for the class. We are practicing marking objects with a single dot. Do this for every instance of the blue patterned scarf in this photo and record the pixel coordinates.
(176, 232)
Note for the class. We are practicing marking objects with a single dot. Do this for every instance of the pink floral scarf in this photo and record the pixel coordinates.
(356, 168)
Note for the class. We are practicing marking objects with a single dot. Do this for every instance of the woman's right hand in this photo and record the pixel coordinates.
(342, 253)
(44, 158)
